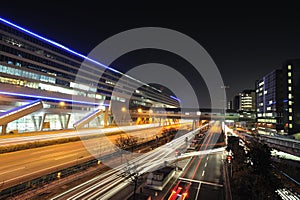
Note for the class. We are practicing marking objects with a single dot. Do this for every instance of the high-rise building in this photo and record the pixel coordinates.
(291, 91)
(269, 101)
(247, 100)
(236, 103)
(278, 98)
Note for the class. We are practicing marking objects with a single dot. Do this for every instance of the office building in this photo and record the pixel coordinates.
(269, 101)
(291, 91)
(33, 67)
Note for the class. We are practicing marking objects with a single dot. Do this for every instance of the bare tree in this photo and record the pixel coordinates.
(133, 174)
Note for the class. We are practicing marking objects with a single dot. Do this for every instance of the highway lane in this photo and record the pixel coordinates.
(204, 172)
(106, 185)
(80, 133)
(28, 164)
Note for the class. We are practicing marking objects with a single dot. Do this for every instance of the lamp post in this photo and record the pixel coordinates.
(225, 101)
(123, 109)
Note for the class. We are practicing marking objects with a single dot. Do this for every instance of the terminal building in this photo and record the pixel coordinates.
(278, 99)
(40, 87)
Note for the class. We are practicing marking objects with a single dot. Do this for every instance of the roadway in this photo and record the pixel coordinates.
(76, 133)
(27, 164)
(108, 184)
(204, 172)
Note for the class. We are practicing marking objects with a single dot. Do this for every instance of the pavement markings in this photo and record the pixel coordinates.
(203, 172)
(12, 170)
(202, 182)
(207, 158)
(198, 190)
(205, 164)
(67, 156)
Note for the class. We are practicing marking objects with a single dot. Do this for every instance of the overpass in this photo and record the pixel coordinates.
(278, 142)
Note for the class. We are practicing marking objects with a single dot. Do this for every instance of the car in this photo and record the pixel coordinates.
(180, 191)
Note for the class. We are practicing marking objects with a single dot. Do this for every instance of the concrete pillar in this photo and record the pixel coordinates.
(42, 122)
(105, 117)
(4, 127)
(68, 121)
(34, 123)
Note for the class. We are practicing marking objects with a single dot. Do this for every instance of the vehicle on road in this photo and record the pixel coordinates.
(180, 191)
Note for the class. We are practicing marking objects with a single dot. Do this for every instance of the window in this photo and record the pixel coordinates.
(289, 74)
(289, 67)
(289, 81)
(290, 88)
(290, 118)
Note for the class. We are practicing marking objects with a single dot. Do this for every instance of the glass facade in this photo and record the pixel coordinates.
(44, 68)
(269, 101)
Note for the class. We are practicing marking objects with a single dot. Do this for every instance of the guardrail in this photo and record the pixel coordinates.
(284, 144)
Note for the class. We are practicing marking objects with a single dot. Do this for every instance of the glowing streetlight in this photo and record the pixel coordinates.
(62, 104)
(123, 109)
(139, 110)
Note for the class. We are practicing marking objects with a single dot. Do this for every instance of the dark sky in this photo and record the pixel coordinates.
(244, 42)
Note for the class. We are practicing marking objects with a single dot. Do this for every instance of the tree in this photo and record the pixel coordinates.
(133, 174)
(254, 177)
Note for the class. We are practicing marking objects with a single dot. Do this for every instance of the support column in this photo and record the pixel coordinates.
(68, 120)
(4, 127)
(34, 123)
(42, 122)
(105, 117)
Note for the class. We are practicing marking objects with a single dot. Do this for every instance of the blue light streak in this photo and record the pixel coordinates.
(52, 98)
(70, 50)
(177, 99)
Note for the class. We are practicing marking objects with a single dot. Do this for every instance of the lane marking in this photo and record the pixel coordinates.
(198, 190)
(202, 182)
(203, 172)
(67, 156)
(205, 164)
(12, 170)
(207, 158)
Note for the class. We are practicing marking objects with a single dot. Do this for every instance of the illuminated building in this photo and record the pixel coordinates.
(33, 67)
(269, 101)
(278, 98)
(291, 90)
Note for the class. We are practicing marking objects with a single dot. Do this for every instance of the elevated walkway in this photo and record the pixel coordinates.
(18, 112)
(80, 123)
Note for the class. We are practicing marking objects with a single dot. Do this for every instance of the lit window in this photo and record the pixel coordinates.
(269, 114)
(270, 102)
(290, 88)
(289, 81)
(289, 74)
(290, 95)
(290, 103)
(269, 108)
(289, 67)
(290, 125)
(290, 118)
(260, 94)
(290, 110)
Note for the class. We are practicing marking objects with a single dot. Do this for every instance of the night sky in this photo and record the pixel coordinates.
(245, 42)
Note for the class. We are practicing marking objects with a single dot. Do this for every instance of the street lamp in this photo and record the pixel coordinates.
(123, 109)
(225, 101)
(139, 110)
